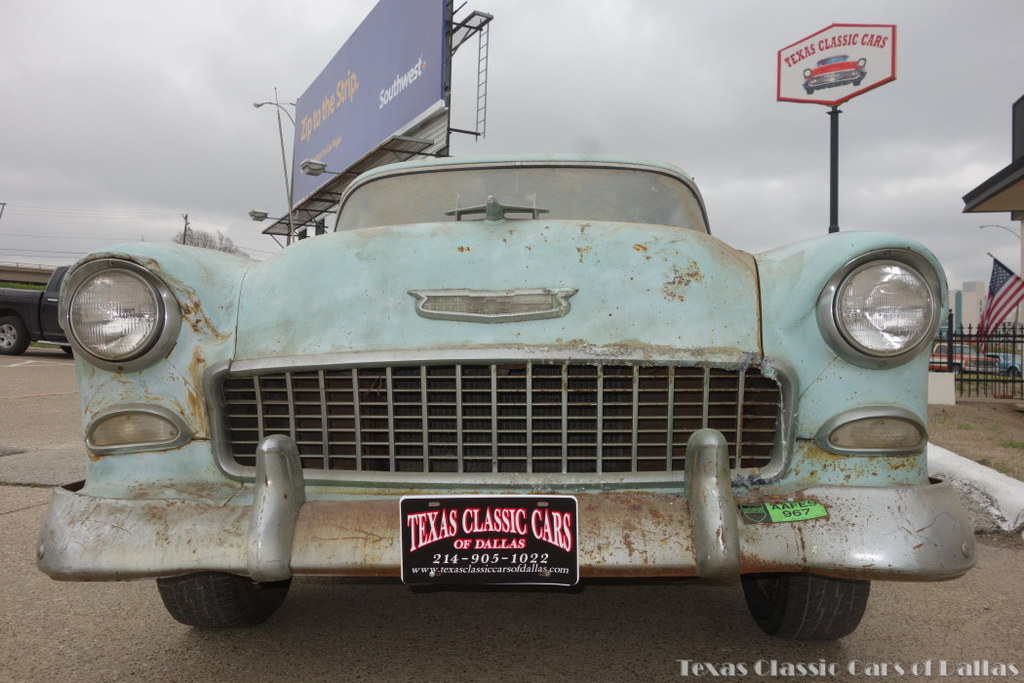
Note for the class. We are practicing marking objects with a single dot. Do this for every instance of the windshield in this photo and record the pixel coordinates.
(586, 193)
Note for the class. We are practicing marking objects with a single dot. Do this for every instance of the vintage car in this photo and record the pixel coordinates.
(833, 71)
(1009, 364)
(965, 358)
(537, 370)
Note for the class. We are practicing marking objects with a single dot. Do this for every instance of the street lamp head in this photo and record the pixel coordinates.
(313, 167)
(258, 216)
(1002, 227)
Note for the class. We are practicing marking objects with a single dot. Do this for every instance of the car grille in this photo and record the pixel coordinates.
(834, 76)
(507, 417)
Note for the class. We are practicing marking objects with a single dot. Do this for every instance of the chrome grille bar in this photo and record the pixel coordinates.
(503, 417)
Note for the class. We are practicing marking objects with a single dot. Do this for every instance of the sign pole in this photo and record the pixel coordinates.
(833, 212)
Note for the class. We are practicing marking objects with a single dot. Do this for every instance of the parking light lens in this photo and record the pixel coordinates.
(878, 434)
(133, 428)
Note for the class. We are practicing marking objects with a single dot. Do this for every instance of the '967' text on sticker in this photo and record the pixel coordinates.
(788, 511)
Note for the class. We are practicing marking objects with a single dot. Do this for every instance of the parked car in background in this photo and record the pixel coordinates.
(1010, 364)
(531, 370)
(30, 315)
(965, 358)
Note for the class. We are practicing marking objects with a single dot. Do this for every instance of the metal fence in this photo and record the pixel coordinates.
(985, 365)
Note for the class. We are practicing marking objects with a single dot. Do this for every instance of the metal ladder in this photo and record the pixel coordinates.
(483, 45)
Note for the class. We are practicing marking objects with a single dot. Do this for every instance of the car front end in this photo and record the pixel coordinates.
(833, 72)
(509, 389)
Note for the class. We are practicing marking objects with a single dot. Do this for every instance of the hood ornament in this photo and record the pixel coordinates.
(492, 306)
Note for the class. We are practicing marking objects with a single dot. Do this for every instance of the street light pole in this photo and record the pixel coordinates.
(1015, 234)
(1002, 227)
(284, 160)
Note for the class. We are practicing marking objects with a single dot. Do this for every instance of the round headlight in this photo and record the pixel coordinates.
(117, 312)
(884, 308)
(881, 308)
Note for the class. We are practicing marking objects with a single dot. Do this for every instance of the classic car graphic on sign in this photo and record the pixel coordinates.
(540, 370)
(834, 71)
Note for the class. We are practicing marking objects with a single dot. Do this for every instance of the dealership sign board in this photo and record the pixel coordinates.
(389, 73)
(837, 63)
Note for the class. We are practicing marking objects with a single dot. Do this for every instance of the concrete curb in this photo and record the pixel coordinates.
(994, 500)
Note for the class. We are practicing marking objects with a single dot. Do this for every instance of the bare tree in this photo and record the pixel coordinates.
(206, 240)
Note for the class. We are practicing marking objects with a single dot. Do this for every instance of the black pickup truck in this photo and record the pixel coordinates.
(28, 315)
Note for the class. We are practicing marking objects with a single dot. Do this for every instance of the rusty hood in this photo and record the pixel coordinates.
(632, 286)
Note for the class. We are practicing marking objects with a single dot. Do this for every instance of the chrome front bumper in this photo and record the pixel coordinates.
(914, 533)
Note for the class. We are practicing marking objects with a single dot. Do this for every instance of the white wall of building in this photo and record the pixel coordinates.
(972, 301)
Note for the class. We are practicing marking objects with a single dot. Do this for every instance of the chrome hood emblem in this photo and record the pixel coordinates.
(492, 306)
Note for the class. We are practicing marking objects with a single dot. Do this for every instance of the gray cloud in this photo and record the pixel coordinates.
(127, 114)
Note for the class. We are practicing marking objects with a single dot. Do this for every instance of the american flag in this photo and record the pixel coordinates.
(1005, 291)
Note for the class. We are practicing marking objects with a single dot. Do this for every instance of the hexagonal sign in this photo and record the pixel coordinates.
(837, 63)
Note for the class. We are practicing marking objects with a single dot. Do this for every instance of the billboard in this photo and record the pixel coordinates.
(389, 72)
(837, 63)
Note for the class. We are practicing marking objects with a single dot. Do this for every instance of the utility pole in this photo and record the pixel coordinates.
(184, 232)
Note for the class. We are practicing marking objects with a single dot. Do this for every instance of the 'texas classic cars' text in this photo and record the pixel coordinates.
(833, 42)
(551, 526)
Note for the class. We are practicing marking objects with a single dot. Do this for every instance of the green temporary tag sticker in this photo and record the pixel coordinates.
(789, 511)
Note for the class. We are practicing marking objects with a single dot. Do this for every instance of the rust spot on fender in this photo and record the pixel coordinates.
(462, 250)
(675, 288)
(193, 395)
(192, 313)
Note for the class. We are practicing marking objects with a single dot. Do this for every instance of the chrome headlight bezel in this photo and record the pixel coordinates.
(155, 345)
(842, 342)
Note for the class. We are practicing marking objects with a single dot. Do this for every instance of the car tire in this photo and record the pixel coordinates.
(1013, 372)
(13, 336)
(957, 369)
(216, 600)
(805, 606)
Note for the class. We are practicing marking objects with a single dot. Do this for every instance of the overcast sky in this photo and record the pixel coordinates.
(119, 116)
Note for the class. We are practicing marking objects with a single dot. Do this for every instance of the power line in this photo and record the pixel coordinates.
(54, 236)
(25, 209)
(41, 251)
(155, 223)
